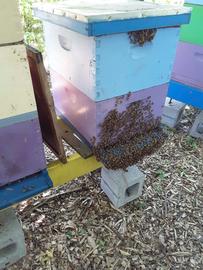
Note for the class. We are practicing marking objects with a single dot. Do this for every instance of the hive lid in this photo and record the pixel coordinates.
(168, 2)
(134, 15)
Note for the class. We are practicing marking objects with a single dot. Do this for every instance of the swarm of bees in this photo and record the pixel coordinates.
(142, 36)
(126, 137)
(120, 156)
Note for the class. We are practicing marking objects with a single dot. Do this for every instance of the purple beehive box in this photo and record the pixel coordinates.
(21, 146)
(21, 151)
(188, 65)
(87, 115)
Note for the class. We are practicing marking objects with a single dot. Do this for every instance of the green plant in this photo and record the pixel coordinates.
(191, 142)
(160, 174)
(70, 234)
(33, 30)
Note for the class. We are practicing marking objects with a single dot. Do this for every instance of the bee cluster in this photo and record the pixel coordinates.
(127, 136)
(120, 156)
(142, 36)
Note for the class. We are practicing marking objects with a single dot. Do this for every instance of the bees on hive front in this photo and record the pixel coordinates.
(142, 36)
(127, 136)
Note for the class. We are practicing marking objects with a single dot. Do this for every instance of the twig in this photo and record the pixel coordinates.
(44, 201)
(114, 231)
(180, 253)
(90, 252)
(118, 210)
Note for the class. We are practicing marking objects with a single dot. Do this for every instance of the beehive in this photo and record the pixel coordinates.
(9, 14)
(109, 61)
(188, 64)
(21, 148)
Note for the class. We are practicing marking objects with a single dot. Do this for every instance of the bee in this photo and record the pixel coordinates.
(142, 36)
(93, 140)
(128, 95)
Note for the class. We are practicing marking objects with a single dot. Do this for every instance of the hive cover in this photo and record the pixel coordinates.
(94, 18)
(97, 10)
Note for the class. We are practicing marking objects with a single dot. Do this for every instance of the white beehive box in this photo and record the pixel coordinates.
(16, 90)
(10, 22)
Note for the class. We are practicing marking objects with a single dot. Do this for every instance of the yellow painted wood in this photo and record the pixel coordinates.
(76, 166)
(10, 22)
(16, 91)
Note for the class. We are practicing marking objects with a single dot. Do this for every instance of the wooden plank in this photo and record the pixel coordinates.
(22, 190)
(186, 94)
(77, 166)
(53, 129)
(45, 104)
(74, 139)
(56, 174)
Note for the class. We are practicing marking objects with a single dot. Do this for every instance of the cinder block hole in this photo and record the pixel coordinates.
(8, 250)
(179, 116)
(200, 128)
(132, 190)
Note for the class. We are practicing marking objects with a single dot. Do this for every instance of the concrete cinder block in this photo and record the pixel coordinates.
(197, 128)
(172, 112)
(122, 186)
(12, 242)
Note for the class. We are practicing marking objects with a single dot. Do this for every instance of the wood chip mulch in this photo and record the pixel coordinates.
(76, 227)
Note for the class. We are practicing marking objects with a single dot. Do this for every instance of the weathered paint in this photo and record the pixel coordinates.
(188, 65)
(108, 66)
(193, 32)
(17, 119)
(73, 105)
(86, 115)
(58, 174)
(117, 26)
(22, 190)
(185, 93)
(21, 151)
(73, 56)
(16, 92)
(100, 18)
(10, 21)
